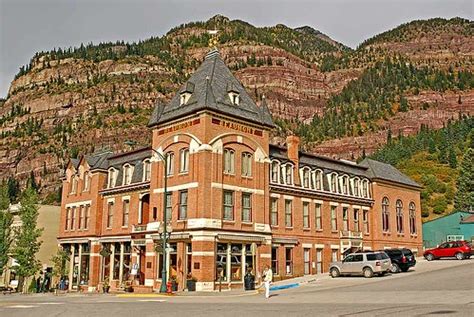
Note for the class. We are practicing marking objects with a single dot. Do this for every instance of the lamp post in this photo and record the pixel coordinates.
(162, 230)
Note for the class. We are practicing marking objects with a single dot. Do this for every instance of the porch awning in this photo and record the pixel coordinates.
(240, 238)
(285, 240)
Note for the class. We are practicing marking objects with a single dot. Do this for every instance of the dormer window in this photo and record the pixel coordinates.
(289, 174)
(356, 187)
(234, 98)
(184, 97)
(319, 180)
(345, 185)
(334, 183)
(146, 170)
(112, 178)
(275, 171)
(74, 181)
(87, 181)
(127, 174)
(306, 174)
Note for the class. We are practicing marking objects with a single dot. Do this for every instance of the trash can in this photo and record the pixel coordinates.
(249, 282)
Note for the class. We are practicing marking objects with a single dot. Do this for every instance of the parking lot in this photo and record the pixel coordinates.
(443, 287)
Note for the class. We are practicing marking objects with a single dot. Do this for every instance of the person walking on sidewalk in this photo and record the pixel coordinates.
(267, 279)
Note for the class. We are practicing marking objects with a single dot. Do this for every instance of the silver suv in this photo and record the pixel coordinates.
(367, 264)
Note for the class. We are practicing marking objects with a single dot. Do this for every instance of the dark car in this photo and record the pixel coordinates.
(402, 259)
(459, 249)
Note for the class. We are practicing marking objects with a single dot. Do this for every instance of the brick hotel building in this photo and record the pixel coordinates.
(234, 200)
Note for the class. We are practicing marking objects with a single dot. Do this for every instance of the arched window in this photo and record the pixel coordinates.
(356, 187)
(334, 182)
(399, 207)
(112, 178)
(365, 188)
(170, 165)
(306, 177)
(274, 171)
(146, 170)
(127, 174)
(319, 180)
(87, 182)
(74, 181)
(246, 163)
(345, 185)
(412, 215)
(229, 161)
(385, 215)
(184, 160)
(289, 174)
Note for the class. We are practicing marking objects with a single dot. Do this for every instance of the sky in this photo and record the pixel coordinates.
(30, 26)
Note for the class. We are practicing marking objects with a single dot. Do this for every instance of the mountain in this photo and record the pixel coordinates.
(342, 101)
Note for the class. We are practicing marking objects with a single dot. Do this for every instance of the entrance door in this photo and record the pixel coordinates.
(141, 270)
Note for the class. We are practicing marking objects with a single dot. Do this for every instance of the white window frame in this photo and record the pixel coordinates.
(112, 177)
(170, 163)
(184, 160)
(229, 161)
(146, 170)
(275, 164)
(246, 164)
(127, 174)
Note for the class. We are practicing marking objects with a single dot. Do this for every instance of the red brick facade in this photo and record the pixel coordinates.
(224, 183)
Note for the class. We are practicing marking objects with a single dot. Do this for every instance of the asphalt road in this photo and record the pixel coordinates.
(441, 288)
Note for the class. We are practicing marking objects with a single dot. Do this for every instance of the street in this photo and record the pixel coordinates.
(441, 288)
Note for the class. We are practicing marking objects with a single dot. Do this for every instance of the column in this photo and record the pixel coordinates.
(229, 264)
(111, 262)
(121, 263)
(71, 266)
(79, 267)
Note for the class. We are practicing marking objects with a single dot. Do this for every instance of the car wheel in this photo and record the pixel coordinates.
(335, 273)
(368, 273)
(395, 268)
(459, 256)
(405, 269)
(429, 257)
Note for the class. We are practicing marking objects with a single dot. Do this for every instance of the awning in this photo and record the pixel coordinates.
(285, 240)
(240, 238)
(72, 241)
(115, 239)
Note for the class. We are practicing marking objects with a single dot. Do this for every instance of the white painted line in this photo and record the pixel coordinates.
(152, 300)
(22, 306)
(50, 303)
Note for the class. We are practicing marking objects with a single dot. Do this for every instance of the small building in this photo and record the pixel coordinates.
(48, 218)
(456, 226)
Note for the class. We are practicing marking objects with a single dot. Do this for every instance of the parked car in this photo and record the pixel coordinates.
(459, 249)
(402, 259)
(366, 264)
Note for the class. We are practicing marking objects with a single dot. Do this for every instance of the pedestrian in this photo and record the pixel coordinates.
(267, 280)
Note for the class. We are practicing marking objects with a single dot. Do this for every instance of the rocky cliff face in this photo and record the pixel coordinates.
(72, 102)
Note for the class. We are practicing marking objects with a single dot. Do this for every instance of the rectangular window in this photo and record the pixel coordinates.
(169, 206)
(246, 207)
(170, 163)
(68, 219)
(305, 214)
(275, 260)
(274, 211)
(125, 212)
(334, 255)
(289, 261)
(81, 217)
(184, 160)
(228, 205)
(87, 217)
(246, 164)
(356, 220)
(110, 214)
(345, 218)
(288, 213)
(306, 178)
(289, 174)
(334, 218)
(183, 204)
(317, 208)
(307, 261)
(365, 216)
(73, 218)
(318, 180)
(146, 170)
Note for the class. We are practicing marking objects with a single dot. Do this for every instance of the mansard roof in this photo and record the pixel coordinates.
(318, 161)
(209, 87)
(383, 171)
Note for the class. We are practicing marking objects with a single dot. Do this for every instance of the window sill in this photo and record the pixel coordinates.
(228, 221)
(247, 223)
(306, 229)
(247, 177)
(274, 226)
(319, 230)
(181, 220)
(124, 227)
(183, 173)
(291, 228)
(229, 174)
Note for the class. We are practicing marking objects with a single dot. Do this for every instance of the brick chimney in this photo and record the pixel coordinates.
(293, 147)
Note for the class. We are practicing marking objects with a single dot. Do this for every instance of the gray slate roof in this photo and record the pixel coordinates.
(383, 171)
(209, 87)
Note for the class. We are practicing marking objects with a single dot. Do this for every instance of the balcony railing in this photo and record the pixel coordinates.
(350, 234)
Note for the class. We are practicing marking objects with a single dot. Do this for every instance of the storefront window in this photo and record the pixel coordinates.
(275, 260)
(84, 264)
(221, 262)
(127, 253)
(116, 261)
(235, 262)
(289, 261)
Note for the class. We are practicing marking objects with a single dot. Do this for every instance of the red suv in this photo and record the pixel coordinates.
(459, 249)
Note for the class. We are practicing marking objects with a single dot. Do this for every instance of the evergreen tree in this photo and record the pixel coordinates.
(27, 236)
(453, 162)
(6, 220)
(464, 199)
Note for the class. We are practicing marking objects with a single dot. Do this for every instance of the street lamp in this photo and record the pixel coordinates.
(162, 230)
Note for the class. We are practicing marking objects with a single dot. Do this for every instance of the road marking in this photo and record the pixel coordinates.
(22, 306)
(50, 303)
(152, 300)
